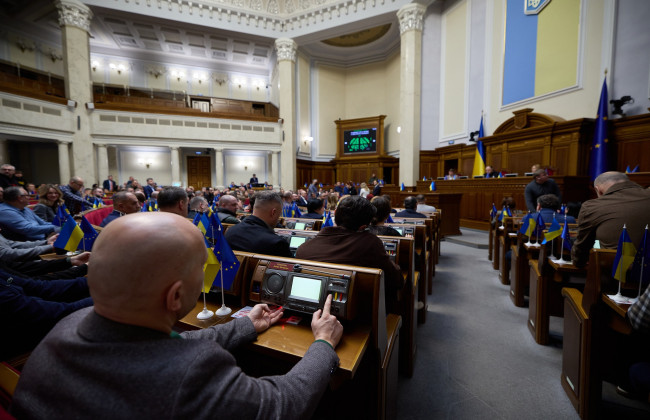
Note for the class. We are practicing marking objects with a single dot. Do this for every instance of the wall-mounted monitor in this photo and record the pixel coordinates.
(360, 141)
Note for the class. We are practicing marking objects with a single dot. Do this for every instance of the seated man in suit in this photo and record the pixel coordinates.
(490, 172)
(302, 198)
(227, 211)
(123, 203)
(198, 205)
(620, 202)
(255, 233)
(20, 223)
(109, 185)
(126, 342)
(173, 200)
(422, 204)
(451, 175)
(410, 204)
(548, 206)
(350, 242)
(315, 209)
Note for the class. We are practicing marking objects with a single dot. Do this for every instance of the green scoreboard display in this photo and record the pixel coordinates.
(360, 141)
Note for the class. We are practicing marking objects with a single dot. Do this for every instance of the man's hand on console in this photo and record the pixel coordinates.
(325, 326)
(262, 317)
(80, 259)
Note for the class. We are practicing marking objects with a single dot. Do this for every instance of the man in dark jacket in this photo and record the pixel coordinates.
(410, 204)
(349, 242)
(255, 233)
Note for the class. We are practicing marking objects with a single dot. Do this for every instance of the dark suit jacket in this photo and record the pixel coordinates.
(111, 216)
(148, 190)
(102, 368)
(253, 235)
(339, 245)
(253, 181)
(410, 213)
(311, 216)
(603, 219)
(107, 185)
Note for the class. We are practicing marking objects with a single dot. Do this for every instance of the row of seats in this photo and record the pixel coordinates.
(555, 287)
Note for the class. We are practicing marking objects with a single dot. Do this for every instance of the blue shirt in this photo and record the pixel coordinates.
(24, 225)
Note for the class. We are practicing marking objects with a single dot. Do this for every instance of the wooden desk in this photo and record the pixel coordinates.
(289, 342)
(547, 278)
(519, 269)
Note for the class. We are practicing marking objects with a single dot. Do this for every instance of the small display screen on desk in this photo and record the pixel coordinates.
(296, 241)
(304, 288)
(399, 229)
(299, 226)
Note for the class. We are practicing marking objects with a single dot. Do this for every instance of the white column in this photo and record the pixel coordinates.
(64, 163)
(218, 163)
(275, 165)
(74, 19)
(102, 163)
(176, 166)
(410, 26)
(287, 75)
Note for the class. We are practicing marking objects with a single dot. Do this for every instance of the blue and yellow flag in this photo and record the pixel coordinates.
(401, 188)
(540, 225)
(432, 187)
(599, 156)
(625, 253)
(554, 231)
(479, 156)
(70, 235)
(295, 211)
(493, 212)
(202, 222)
(90, 234)
(210, 270)
(328, 220)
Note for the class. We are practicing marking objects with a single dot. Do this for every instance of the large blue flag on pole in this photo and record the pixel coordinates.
(599, 156)
(479, 156)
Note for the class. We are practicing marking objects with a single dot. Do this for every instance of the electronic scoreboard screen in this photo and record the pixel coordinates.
(360, 141)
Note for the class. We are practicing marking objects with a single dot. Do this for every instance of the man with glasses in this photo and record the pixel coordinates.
(19, 223)
(72, 195)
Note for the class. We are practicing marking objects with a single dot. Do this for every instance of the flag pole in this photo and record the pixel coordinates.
(224, 310)
(618, 297)
(205, 313)
(644, 245)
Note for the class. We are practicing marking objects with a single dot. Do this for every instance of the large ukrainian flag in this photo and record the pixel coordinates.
(541, 51)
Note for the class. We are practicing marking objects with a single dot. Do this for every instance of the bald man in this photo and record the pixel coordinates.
(620, 202)
(72, 195)
(227, 210)
(122, 357)
(123, 203)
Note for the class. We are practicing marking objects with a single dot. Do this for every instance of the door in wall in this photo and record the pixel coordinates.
(198, 171)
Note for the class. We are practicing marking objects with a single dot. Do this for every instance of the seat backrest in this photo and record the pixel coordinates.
(96, 216)
(8, 381)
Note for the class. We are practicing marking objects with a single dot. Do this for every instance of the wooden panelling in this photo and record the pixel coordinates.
(632, 139)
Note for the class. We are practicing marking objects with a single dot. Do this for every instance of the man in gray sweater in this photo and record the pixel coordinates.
(122, 359)
(25, 250)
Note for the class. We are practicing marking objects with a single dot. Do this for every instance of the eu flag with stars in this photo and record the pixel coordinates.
(90, 234)
(61, 216)
(227, 259)
(599, 156)
(328, 220)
